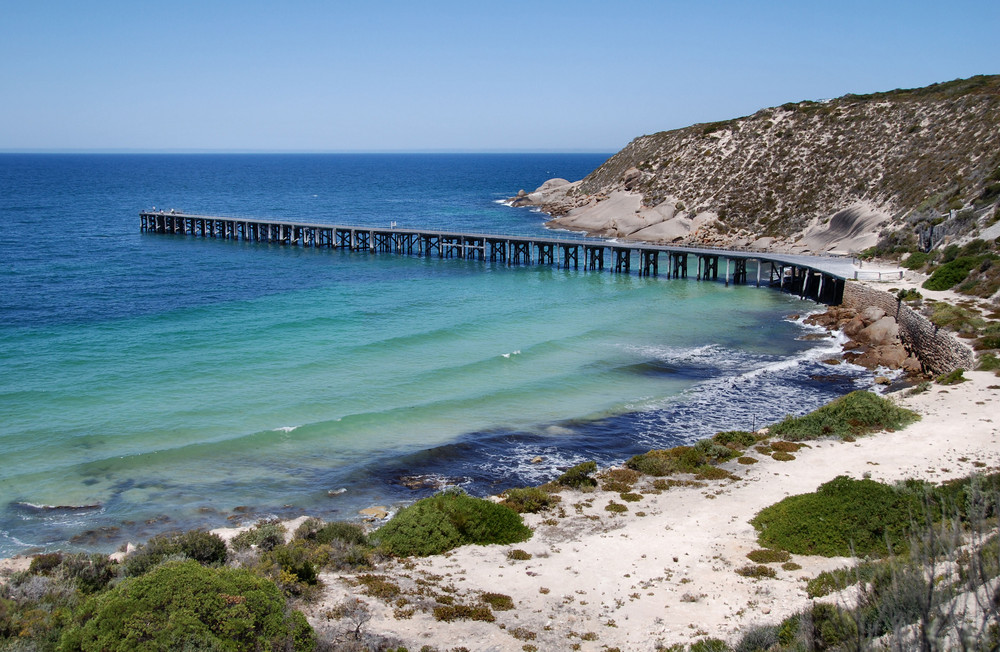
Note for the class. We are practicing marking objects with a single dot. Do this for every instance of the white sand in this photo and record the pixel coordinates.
(669, 576)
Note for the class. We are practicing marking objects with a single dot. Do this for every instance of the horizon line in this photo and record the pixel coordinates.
(125, 150)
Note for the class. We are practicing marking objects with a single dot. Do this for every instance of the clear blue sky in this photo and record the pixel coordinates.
(470, 75)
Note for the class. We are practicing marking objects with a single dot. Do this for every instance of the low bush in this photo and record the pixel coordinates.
(756, 571)
(735, 438)
(988, 362)
(855, 414)
(682, 459)
(448, 613)
(184, 605)
(578, 476)
(498, 601)
(916, 260)
(529, 500)
(956, 318)
(265, 535)
(293, 567)
(201, 546)
(447, 520)
(841, 518)
(619, 480)
(767, 556)
(953, 377)
(839, 579)
(952, 273)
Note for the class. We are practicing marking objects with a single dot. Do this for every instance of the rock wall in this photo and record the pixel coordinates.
(939, 351)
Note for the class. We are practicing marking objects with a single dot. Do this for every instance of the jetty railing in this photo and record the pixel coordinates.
(818, 278)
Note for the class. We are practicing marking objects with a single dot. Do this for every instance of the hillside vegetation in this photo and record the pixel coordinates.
(898, 155)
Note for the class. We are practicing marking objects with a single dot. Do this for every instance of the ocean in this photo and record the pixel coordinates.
(154, 382)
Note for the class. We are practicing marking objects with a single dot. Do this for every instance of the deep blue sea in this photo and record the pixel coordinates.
(158, 382)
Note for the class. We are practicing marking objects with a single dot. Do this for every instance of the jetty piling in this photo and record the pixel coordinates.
(785, 272)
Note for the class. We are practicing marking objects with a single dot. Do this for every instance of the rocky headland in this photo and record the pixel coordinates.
(829, 176)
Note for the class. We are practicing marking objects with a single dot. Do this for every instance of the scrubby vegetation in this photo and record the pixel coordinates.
(939, 592)
(184, 605)
(862, 517)
(447, 520)
(682, 459)
(529, 499)
(856, 414)
(579, 476)
(842, 517)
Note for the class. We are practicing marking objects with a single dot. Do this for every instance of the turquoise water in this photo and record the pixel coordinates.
(154, 382)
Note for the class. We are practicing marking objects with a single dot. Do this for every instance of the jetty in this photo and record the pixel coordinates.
(818, 278)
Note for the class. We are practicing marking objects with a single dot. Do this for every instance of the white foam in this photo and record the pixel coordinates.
(507, 355)
(285, 429)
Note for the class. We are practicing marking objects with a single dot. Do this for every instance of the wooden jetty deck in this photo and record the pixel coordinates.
(818, 278)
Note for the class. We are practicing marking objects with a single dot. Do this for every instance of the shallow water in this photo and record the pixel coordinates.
(156, 382)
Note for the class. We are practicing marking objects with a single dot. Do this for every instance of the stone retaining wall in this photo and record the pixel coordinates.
(939, 350)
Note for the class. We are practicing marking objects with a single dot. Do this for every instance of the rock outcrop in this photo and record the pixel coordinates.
(806, 176)
(874, 338)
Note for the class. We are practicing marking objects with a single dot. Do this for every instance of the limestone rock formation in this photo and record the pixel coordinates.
(808, 176)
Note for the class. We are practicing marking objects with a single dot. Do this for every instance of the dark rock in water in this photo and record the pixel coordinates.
(831, 361)
(56, 508)
(92, 537)
(429, 481)
(812, 337)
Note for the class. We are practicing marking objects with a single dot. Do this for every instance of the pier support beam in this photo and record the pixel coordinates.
(650, 262)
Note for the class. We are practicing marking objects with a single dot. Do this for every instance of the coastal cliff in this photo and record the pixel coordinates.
(811, 176)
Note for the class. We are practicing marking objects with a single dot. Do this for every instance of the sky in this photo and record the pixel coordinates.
(382, 75)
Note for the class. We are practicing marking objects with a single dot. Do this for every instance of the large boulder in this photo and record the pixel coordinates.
(883, 332)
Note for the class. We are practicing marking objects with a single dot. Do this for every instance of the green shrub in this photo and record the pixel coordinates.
(782, 456)
(756, 571)
(710, 645)
(530, 500)
(655, 462)
(953, 377)
(90, 572)
(766, 556)
(295, 562)
(988, 362)
(203, 547)
(841, 518)
(839, 579)
(757, 638)
(916, 260)
(682, 459)
(956, 318)
(350, 533)
(448, 613)
(614, 507)
(447, 520)
(160, 548)
(265, 535)
(619, 480)
(183, 605)
(579, 476)
(498, 601)
(379, 586)
(45, 563)
(951, 273)
(518, 555)
(738, 438)
(854, 414)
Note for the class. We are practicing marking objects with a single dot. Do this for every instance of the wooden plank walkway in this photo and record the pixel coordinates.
(818, 278)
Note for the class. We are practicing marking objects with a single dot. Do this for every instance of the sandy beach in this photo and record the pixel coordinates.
(664, 571)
